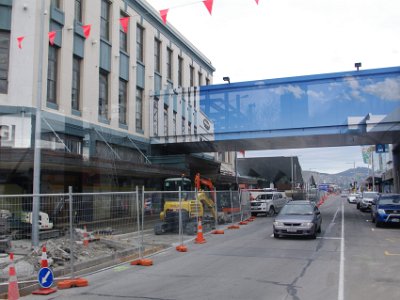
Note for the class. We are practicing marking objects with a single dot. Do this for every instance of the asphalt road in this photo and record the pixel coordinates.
(350, 259)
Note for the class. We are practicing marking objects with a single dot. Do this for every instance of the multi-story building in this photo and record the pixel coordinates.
(102, 96)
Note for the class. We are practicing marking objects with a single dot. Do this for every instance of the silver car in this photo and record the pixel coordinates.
(298, 218)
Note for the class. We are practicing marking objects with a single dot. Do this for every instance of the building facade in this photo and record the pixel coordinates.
(106, 79)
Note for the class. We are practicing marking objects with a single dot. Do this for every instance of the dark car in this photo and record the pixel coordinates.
(298, 218)
(386, 209)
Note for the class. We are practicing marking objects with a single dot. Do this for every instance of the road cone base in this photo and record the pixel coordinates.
(44, 291)
(181, 248)
(142, 262)
(243, 223)
(70, 283)
(218, 231)
(200, 241)
(13, 292)
(234, 227)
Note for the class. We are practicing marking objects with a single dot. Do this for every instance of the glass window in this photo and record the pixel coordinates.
(139, 43)
(4, 59)
(207, 81)
(78, 11)
(103, 94)
(139, 109)
(157, 55)
(200, 77)
(183, 128)
(180, 71)
(122, 101)
(52, 74)
(105, 20)
(56, 3)
(169, 63)
(174, 124)
(76, 82)
(191, 76)
(123, 37)
(166, 122)
(155, 117)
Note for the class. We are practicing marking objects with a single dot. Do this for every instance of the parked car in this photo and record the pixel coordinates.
(298, 218)
(352, 198)
(366, 200)
(268, 203)
(386, 209)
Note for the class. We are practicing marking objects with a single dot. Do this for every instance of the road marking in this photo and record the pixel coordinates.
(387, 253)
(341, 268)
(329, 238)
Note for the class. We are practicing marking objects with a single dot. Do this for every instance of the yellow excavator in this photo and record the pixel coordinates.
(192, 205)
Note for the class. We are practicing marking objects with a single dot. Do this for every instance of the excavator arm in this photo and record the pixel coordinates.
(203, 196)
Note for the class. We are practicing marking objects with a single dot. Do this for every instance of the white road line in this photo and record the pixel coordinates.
(329, 238)
(341, 268)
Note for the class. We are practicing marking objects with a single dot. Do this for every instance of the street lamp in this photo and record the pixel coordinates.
(226, 78)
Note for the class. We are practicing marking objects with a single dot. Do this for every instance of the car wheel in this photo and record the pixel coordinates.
(276, 235)
(314, 236)
(358, 205)
(319, 229)
(378, 224)
(271, 211)
(372, 218)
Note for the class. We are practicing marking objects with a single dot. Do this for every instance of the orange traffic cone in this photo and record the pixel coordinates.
(44, 264)
(85, 237)
(13, 292)
(200, 238)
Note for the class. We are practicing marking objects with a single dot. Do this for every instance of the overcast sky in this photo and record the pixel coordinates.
(283, 38)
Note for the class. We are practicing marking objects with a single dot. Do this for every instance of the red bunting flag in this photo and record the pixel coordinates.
(163, 14)
(208, 4)
(86, 30)
(124, 23)
(242, 152)
(20, 39)
(52, 36)
(257, 2)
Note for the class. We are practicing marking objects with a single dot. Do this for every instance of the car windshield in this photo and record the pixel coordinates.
(264, 197)
(370, 195)
(390, 200)
(297, 209)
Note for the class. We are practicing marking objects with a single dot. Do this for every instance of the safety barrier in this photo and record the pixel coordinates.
(104, 229)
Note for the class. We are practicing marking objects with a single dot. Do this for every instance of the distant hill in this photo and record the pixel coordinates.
(343, 179)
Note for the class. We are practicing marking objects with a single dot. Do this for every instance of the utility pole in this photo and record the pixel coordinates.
(38, 133)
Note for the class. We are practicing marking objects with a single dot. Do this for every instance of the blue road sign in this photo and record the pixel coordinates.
(45, 277)
(381, 148)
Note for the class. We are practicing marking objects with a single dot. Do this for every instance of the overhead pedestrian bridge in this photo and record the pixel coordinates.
(337, 109)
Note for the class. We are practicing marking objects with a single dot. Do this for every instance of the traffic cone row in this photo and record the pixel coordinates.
(13, 292)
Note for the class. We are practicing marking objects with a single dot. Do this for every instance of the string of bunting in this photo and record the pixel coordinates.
(123, 21)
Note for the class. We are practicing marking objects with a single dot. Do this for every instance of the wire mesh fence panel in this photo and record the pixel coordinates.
(245, 208)
(224, 205)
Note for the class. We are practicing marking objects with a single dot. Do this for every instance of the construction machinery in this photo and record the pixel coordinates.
(193, 205)
(19, 225)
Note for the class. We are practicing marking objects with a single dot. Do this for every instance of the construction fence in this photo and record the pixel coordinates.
(82, 229)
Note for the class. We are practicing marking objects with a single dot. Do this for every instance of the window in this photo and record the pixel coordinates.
(200, 77)
(191, 80)
(4, 60)
(166, 122)
(76, 82)
(105, 20)
(169, 63)
(122, 101)
(190, 131)
(174, 124)
(180, 71)
(52, 75)
(207, 81)
(183, 128)
(103, 94)
(139, 109)
(123, 37)
(157, 56)
(78, 11)
(55, 3)
(139, 43)
(195, 130)
(155, 117)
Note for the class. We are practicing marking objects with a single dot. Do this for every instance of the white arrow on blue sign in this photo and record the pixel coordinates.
(45, 277)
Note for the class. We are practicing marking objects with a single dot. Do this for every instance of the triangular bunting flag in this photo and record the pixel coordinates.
(163, 14)
(257, 2)
(86, 30)
(243, 152)
(20, 39)
(52, 36)
(124, 23)
(208, 4)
